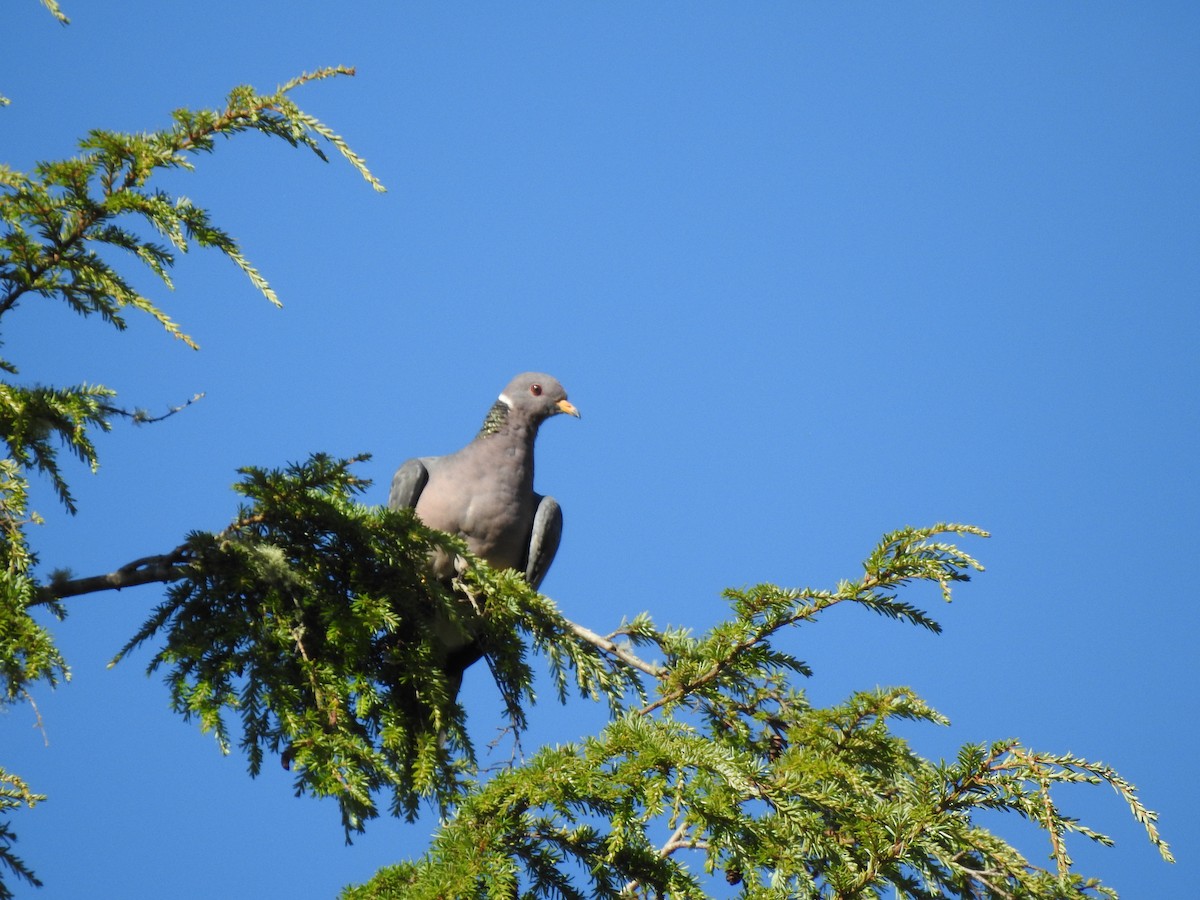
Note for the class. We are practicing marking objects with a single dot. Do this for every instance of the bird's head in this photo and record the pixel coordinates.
(536, 397)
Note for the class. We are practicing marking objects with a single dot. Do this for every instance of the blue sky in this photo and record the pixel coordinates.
(810, 272)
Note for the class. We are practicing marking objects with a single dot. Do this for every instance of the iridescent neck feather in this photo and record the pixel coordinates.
(495, 419)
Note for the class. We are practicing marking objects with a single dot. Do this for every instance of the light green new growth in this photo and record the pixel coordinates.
(14, 794)
(60, 220)
(56, 11)
(59, 227)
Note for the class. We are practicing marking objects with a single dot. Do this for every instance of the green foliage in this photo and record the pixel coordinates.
(14, 794)
(27, 651)
(731, 658)
(731, 764)
(304, 619)
(61, 220)
(56, 11)
(59, 223)
(61, 228)
(34, 421)
(313, 620)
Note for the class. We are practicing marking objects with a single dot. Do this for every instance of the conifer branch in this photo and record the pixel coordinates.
(142, 417)
(58, 203)
(56, 11)
(14, 794)
(163, 567)
(675, 842)
(160, 568)
(309, 618)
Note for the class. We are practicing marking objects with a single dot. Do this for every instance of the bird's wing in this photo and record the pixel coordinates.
(410, 479)
(543, 542)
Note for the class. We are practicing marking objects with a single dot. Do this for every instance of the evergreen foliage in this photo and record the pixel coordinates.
(59, 225)
(14, 794)
(62, 227)
(308, 629)
(731, 764)
(313, 619)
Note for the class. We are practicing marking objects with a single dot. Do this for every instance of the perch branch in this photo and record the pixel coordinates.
(147, 570)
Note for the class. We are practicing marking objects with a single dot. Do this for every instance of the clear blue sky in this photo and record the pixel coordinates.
(810, 272)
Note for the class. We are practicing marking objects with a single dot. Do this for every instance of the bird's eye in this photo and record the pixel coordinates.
(536, 390)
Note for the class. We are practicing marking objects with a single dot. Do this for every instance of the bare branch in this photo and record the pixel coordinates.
(147, 570)
(163, 567)
(620, 652)
(141, 417)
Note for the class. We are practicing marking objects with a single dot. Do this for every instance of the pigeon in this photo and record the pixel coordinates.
(484, 494)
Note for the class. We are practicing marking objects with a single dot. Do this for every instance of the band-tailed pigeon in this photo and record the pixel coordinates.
(484, 493)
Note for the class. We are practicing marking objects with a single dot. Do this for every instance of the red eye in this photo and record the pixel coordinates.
(536, 390)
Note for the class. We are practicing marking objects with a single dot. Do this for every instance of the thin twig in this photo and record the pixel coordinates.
(141, 417)
(517, 754)
(37, 713)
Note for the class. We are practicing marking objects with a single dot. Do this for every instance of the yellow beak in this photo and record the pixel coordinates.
(568, 408)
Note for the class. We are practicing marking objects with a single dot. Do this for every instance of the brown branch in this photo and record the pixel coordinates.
(620, 652)
(147, 570)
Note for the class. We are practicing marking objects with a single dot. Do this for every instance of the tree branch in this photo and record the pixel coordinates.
(821, 602)
(147, 570)
(163, 567)
(142, 417)
(620, 652)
